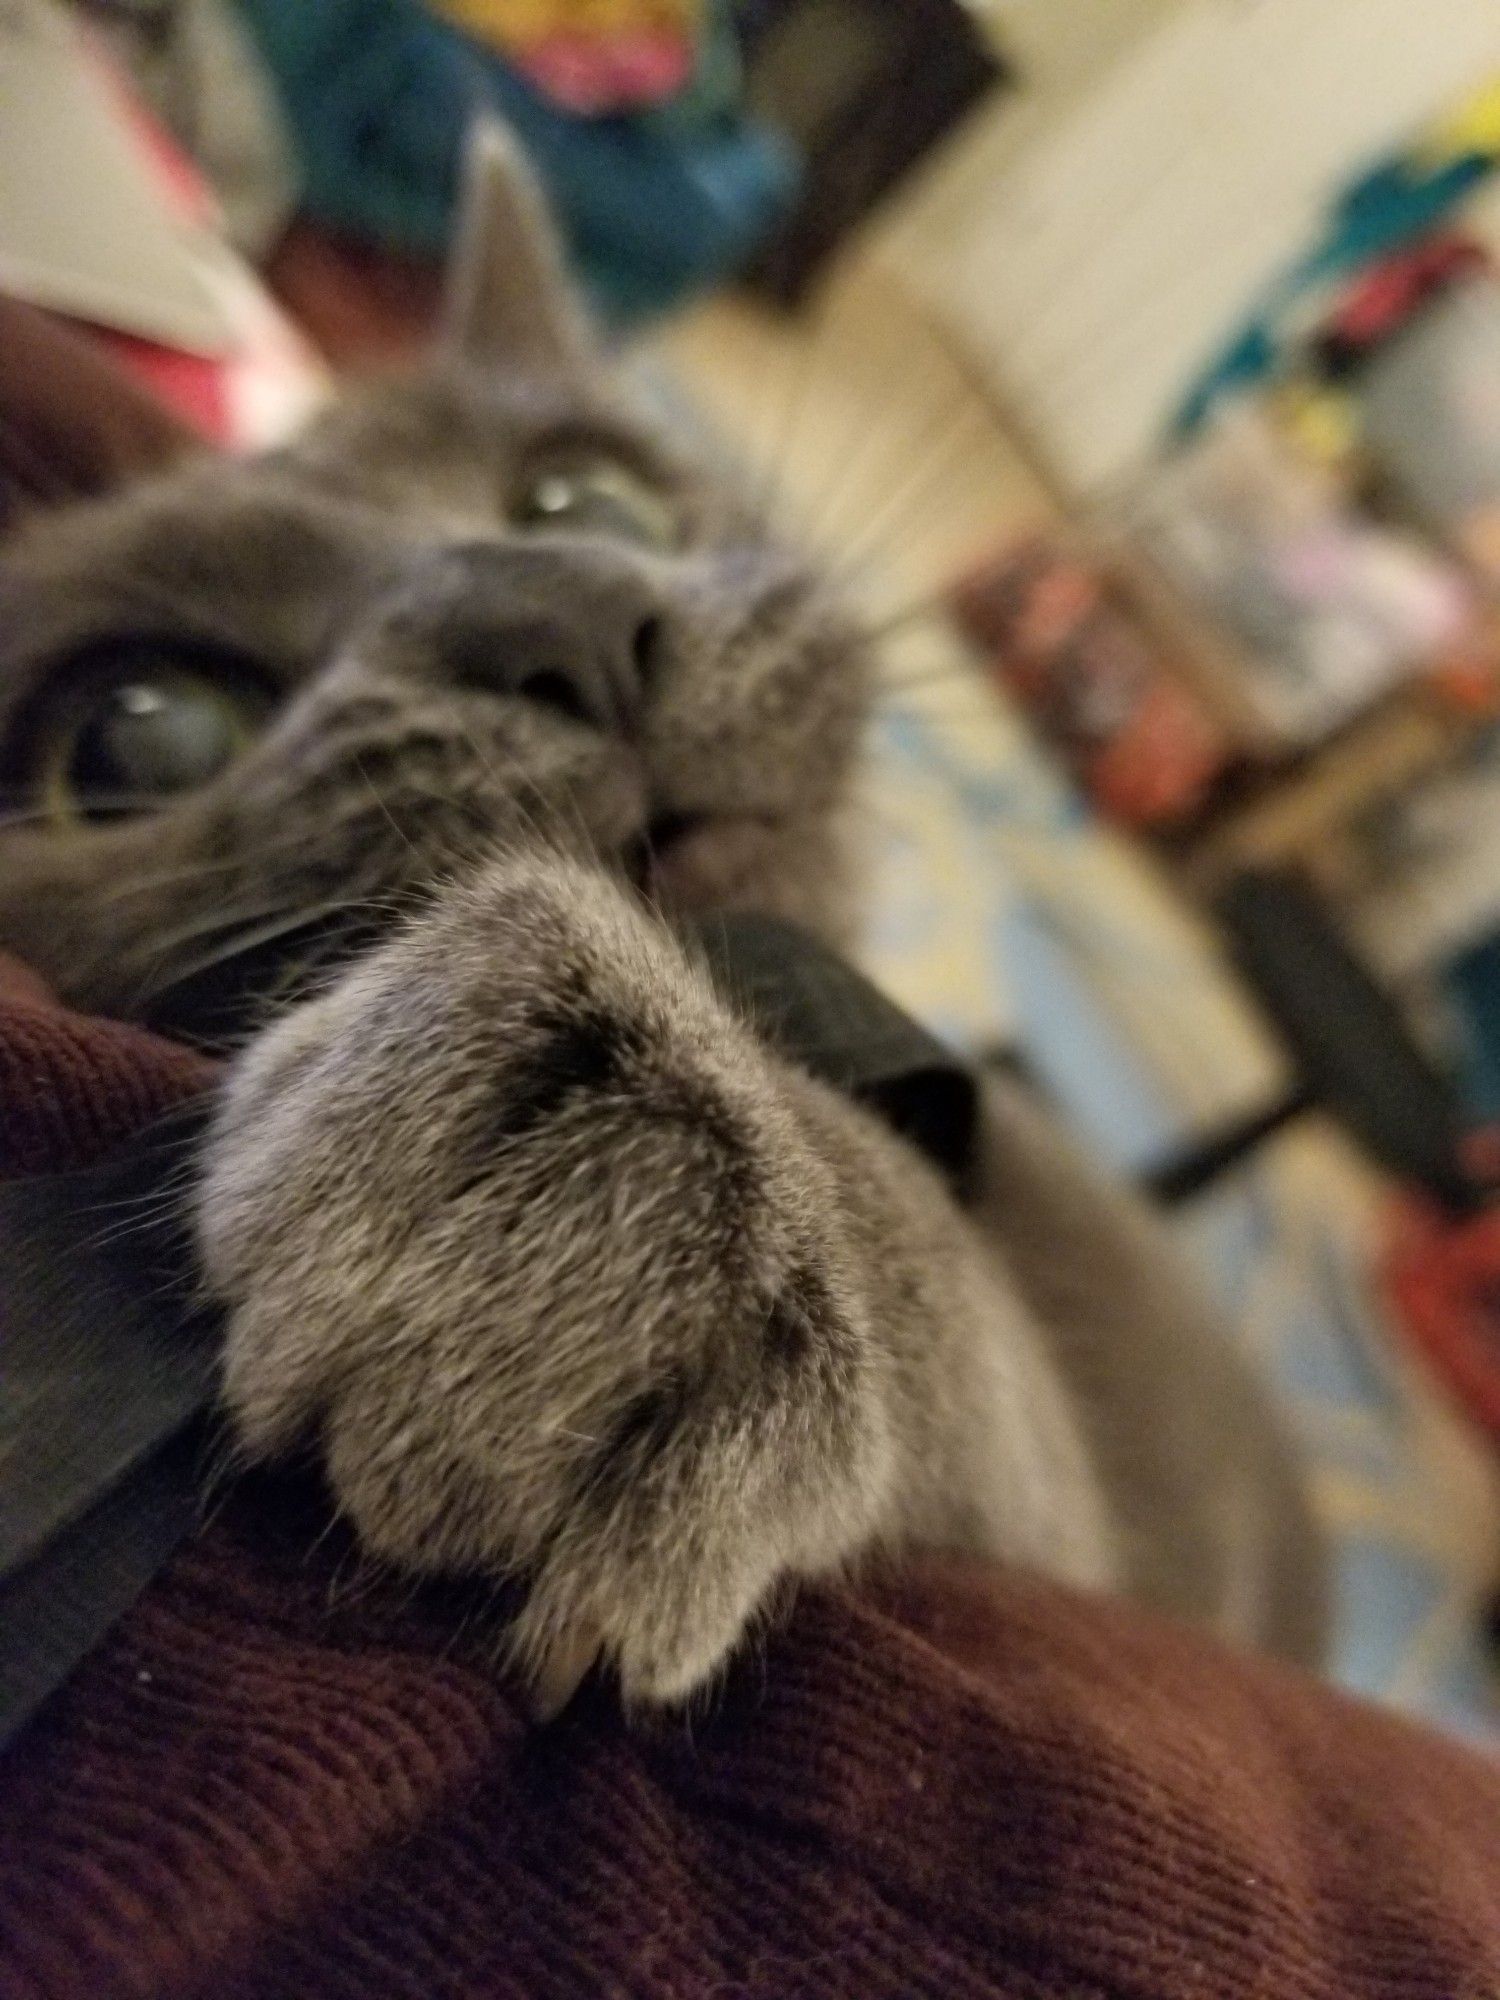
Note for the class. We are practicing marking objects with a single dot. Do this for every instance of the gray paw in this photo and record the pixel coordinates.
(521, 1224)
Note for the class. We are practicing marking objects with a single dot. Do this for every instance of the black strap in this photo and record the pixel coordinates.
(105, 1371)
(106, 1368)
(813, 1007)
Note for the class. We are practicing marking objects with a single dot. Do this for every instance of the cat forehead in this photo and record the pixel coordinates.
(464, 426)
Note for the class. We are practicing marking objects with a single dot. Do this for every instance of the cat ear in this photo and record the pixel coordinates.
(509, 301)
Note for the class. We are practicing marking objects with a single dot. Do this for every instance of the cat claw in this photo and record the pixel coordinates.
(550, 1685)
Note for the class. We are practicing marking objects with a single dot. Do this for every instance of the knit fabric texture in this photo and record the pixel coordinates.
(285, 1776)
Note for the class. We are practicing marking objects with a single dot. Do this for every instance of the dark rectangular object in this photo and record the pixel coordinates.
(106, 1373)
(863, 89)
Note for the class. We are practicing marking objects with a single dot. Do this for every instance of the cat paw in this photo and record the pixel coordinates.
(522, 1225)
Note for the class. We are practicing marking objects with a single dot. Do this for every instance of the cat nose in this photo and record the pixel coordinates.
(581, 641)
(591, 669)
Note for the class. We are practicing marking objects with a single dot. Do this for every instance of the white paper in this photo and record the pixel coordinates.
(1098, 274)
(83, 228)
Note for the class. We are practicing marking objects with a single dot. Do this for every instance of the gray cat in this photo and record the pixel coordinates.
(572, 1279)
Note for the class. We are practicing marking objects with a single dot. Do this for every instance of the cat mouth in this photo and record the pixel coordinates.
(689, 862)
(218, 1005)
(693, 861)
(653, 846)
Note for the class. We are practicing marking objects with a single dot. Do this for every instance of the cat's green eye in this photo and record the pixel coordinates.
(141, 726)
(596, 496)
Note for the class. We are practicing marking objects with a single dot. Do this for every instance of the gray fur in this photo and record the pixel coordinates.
(570, 1277)
(508, 301)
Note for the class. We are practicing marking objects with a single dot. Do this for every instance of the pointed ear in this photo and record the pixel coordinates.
(509, 301)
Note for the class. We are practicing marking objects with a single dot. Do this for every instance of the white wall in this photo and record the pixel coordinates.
(1095, 246)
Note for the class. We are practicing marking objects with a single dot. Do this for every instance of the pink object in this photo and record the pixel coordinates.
(194, 385)
(594, 75)
(267, 376)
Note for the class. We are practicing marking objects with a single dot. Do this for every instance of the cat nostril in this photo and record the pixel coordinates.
(555, 688)
(646, 652)
(669, 828)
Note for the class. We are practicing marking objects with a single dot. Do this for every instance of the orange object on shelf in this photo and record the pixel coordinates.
(1138, 739)
(1468, 676)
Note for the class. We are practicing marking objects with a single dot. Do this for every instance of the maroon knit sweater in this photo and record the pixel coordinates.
(278, 1778)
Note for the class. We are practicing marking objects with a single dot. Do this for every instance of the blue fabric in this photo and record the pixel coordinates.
(1473, 982)
(379, 94)
(1386, 211)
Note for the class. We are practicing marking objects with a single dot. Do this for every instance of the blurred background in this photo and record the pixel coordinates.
(1136, 364)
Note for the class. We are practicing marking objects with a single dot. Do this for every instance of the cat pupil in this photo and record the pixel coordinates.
(600, 497)
(161, 737)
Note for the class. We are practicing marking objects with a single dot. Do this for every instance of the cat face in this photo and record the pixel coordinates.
(499, 603)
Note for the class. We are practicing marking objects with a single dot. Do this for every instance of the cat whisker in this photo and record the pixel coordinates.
(949, 673)
(149, 1215)
(514, 793)
(266, 853)
(934, 464)
(931, 604)
(211, 923)
(236, 935)
(172, 878)
(101, 803)
(778, 459)
(296, 975)
(833, 295)
(169, 1188)
(386, 812)
(825, 511)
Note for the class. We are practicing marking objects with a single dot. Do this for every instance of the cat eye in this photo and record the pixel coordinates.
(597, 496)
(144, 724)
